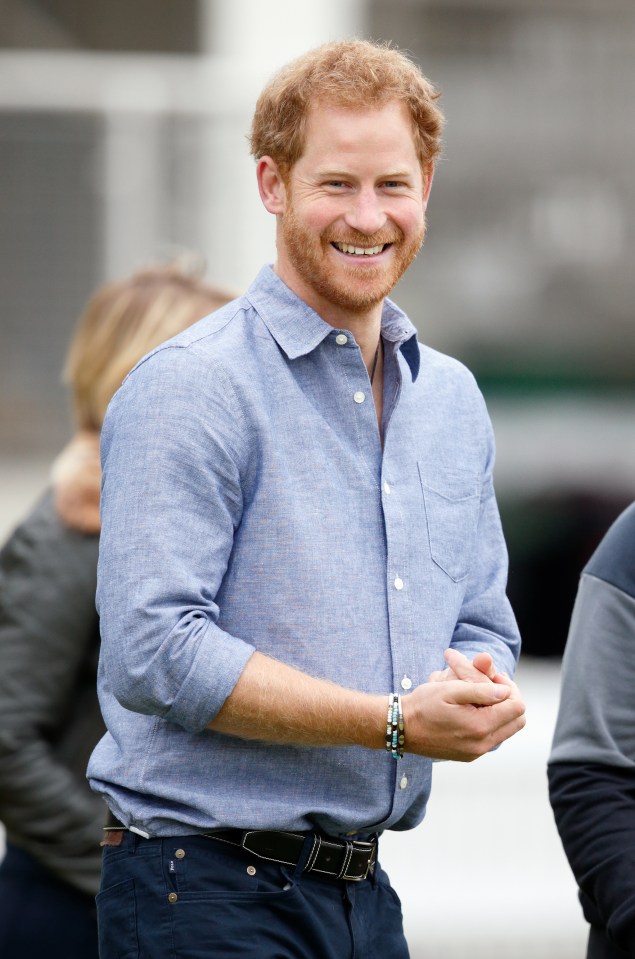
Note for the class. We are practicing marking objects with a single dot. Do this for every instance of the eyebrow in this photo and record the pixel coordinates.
(343, 175)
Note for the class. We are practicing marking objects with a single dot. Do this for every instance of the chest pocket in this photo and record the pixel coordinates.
(452, 499)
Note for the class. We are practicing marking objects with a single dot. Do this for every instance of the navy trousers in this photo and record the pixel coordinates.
(42, 917)
(188, 897)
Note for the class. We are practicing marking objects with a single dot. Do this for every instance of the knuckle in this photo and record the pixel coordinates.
(481, 748)
(482, 724)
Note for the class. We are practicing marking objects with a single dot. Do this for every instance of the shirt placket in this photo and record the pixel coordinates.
(398, 581)
(358, 401)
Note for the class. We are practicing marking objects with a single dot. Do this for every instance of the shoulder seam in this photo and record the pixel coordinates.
(607, 582)
(164, 347)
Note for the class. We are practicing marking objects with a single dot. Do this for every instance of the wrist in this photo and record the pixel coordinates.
(395, 729)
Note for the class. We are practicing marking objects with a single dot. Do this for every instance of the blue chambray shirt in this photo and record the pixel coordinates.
(248, 504)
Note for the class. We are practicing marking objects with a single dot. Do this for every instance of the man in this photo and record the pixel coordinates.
(298, 519)
(592, 763)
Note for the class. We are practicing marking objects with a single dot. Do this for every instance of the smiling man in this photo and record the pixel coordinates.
(351, 209)
(302, 571)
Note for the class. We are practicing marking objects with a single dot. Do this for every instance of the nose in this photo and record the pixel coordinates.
(365, 213)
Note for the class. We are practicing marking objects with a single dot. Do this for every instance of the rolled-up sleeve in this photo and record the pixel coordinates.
(174, 466)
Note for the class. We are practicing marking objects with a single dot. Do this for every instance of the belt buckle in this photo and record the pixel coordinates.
(361, 846)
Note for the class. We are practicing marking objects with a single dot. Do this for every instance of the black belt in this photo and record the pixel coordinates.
(338, 858)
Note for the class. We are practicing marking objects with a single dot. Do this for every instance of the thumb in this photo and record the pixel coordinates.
(479, 694)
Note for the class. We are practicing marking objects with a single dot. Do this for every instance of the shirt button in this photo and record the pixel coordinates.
(341, 339)
(359, 397)
(398, 583)
(403, 782)
(251, 870)
(386, 489)
(406, 683)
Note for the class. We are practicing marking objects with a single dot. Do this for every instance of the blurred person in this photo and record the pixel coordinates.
(49, 635)
(298, 520)
(592, 762)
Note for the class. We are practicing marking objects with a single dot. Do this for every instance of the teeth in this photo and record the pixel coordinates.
(359, 250)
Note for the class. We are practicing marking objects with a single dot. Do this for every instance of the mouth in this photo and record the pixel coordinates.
(360, 251)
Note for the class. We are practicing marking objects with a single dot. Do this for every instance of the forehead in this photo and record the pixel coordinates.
(337, 134)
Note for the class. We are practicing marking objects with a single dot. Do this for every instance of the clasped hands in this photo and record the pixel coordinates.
(463, 711)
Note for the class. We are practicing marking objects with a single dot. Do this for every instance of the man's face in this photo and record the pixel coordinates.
(354, 212)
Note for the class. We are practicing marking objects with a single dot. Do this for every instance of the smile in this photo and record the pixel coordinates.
(360, 250)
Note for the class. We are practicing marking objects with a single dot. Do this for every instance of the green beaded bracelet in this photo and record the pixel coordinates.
(395, 735)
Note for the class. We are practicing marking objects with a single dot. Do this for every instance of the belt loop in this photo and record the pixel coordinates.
(308, 847)
(346, 861)
(315, 849)
(374, 870)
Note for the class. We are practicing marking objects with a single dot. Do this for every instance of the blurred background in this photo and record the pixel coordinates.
(122, 141)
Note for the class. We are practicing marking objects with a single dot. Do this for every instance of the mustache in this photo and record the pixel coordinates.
(355, 238)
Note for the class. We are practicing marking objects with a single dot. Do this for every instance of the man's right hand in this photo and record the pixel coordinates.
(461, 720)
(456, 719)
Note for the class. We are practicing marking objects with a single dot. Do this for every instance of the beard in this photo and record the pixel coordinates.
(346, 285)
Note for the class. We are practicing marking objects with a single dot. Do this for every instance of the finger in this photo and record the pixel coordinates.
(504, 680)
(459, 664)
(441, 675)
(509, 729)
(476, 693)
(466, 670)
(485, 664)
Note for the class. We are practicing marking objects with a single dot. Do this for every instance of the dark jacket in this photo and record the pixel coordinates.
(49, 714)
(592, 763)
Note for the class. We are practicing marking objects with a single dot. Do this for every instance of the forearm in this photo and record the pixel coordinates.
(276, 703)
(594, 809)
(458, 719)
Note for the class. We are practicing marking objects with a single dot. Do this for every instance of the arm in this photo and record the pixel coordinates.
(592, 763)
(48, 626)
(458, 719)
(486, 623)
(594, 809)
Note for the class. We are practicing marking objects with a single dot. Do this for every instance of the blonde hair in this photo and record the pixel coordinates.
(349, 73)
(122, 322)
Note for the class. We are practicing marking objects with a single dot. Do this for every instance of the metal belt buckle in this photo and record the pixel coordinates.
(361, 846)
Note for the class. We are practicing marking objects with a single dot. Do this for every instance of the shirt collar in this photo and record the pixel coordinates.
(298, 330)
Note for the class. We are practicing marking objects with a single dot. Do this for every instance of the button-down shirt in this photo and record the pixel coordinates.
(248, 504)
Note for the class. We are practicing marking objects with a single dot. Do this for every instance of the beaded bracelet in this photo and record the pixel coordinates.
(395, 737)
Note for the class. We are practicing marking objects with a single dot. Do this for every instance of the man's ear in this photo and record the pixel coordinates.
(428, 176)
(271, 185)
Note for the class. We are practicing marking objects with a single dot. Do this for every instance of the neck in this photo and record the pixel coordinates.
(365, 325)
(366, 328)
